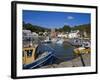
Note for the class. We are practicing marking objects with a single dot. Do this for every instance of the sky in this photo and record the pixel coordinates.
(50, 19)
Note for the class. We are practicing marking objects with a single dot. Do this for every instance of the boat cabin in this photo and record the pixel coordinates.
(29, 55)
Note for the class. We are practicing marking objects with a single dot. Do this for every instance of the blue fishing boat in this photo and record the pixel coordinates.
(45, 56)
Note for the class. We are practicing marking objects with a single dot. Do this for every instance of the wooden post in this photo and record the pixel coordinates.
(82, 59)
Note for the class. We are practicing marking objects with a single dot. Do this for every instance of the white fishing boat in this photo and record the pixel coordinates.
(60, 41)
(47, 40)
(54, 40)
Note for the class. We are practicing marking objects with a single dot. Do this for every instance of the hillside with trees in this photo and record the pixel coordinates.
(34, 28)
(83, 28)
(66, 28)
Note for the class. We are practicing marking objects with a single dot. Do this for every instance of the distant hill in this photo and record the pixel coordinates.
(34, 28)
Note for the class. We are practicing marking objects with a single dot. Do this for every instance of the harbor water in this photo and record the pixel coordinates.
(62, 52)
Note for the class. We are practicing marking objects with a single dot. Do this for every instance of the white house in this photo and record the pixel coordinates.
(26, 34)
(74, 34)
(27, 38)
(34, 34)
(62, 35)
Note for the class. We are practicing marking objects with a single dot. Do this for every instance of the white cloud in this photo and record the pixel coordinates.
(70, 17)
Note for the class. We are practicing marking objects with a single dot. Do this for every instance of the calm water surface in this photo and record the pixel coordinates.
(61, 51)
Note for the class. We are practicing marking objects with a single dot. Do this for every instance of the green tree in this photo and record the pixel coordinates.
(66, 28)
(34, 28)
